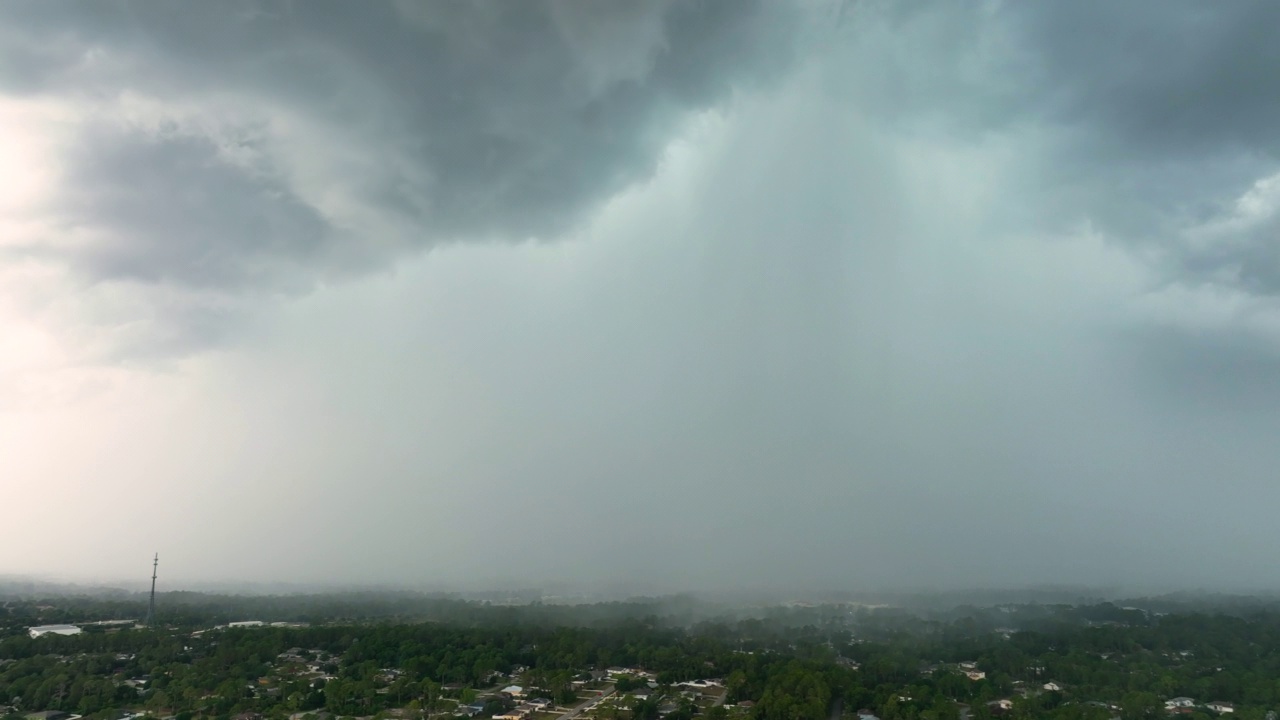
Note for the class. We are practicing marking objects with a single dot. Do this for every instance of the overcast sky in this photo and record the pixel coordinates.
(683, 295)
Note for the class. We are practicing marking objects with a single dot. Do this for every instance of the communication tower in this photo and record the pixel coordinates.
(151, 606)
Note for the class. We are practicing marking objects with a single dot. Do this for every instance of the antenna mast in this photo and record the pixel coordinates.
(151, 607)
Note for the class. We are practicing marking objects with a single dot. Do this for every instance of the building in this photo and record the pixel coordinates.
(1219, 706)
(39, 630)
(1179, 702)
(1053, 687)
(975, 674)
(1000, 707)
(514, 691)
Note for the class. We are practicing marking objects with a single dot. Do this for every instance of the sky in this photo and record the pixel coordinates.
(709, 295)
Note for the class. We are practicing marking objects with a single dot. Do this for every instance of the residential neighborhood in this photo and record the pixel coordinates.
(301, 669)
(519, 694)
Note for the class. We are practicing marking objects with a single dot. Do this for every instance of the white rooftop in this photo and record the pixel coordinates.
(39, 630)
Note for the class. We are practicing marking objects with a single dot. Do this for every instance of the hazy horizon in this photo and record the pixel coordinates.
(587, 592)
(694, 296)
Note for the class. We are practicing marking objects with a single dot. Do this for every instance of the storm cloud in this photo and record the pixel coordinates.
(729, 295)
(236, 147)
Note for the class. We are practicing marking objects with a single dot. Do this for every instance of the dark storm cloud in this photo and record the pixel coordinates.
(171, 211)
(254, 147)
(1160, 80)
(1170, 110)
(1153, 81)
(489, 120)
(1155, 116)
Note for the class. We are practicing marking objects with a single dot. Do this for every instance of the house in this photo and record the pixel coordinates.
(1053, 687)
(865, 714)
(1219, 706)
(1000, 707)
(514, 691)
(39, 630)
(1179, 702)
(471, 710)
(975, 674)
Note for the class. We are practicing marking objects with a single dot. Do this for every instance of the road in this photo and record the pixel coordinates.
(587, 705)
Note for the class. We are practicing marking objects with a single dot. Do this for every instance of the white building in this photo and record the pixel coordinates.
(1053, 687)
(1221, 707)
(1179, 702)
(54, 630)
